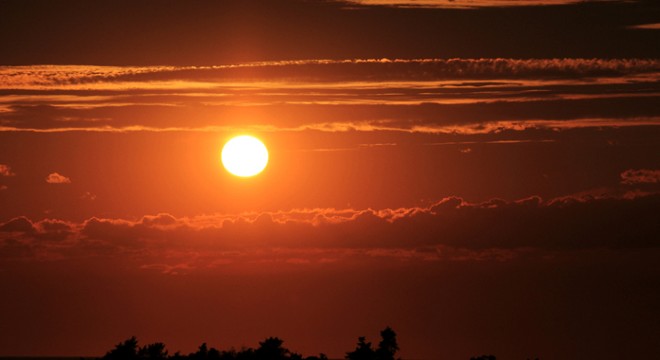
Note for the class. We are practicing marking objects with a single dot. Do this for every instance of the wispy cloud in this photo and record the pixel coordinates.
(466, 4)
(494, 127)
(653, 26)
(423, 95)
(89, 77)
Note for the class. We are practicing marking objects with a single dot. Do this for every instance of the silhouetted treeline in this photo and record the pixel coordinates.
(269, 349)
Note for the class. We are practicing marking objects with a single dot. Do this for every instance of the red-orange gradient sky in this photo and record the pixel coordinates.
(483, 176)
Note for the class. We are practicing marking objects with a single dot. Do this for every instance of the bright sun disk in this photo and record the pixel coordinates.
(244, 156)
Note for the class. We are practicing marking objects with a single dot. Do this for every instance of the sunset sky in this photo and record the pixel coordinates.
(481, 175)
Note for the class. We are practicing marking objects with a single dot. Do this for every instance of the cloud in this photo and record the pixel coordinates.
(653, 26)
(454, 4)
(423, 95)
(425, 117)
(640, 176)
(451, 222)
(19, 224)
(297, 72)
(451, 225)
(5, 170)
(56, 178)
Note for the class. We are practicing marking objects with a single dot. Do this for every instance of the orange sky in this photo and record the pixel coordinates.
(471, 174)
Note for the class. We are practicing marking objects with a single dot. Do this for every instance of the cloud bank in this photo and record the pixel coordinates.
(450, 225)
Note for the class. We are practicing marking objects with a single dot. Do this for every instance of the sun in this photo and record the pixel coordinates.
(244, 156)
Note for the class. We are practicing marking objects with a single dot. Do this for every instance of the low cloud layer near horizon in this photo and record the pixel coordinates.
(424, 232)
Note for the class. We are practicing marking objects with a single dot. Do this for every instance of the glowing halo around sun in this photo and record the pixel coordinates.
(244, 156)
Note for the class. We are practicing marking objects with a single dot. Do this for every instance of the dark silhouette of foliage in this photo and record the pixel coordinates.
(321, 356)
(484, 357)
(177, 356)
(246, 354)
(387, 346)
(363, 351)
(153, 351)
(126, 350)
(214, 354)
(201, 354)
(270, 349)
(386, 350)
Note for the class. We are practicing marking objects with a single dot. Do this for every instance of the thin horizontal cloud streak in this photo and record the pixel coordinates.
(653, 26)
(488, 128)
(42, 76)
(465, 4)
(427, 117)
(402, 95)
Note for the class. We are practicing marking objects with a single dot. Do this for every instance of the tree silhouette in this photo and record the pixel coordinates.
(386, 350)
(363, 351)
(271, 349)
(245, 354)
(126, 350)
(153, 351)
(387, 346)
(204, 353)
(214, 354)
(177, 356)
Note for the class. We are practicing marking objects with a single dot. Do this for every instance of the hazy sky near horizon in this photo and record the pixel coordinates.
(483, 176)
